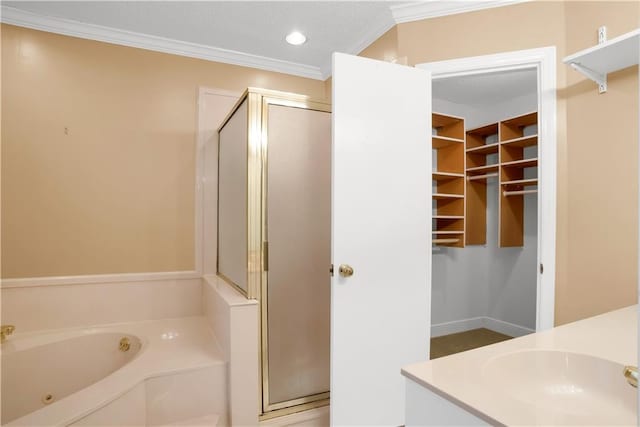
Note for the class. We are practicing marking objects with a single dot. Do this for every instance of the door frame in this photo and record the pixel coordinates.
(544, 60)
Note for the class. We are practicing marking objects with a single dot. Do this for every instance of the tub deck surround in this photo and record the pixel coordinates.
(170, 346)
(234, 320)
(469, 379)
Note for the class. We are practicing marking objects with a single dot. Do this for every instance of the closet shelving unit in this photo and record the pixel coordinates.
(482, 164)
(498, 150)
(448, 177)
(515, 181)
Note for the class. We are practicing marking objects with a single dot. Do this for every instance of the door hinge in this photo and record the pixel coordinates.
(331, 270)
(541, 268)
(265, 256)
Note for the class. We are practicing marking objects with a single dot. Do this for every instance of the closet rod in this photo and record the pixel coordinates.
(518, 193)
(489, 175)
(436, 241)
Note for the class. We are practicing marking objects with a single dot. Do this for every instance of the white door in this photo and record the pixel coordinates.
(381, 227)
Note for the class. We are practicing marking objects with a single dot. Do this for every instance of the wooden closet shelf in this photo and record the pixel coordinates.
(484, 149)
(447, 232)
(444, 196)
(482, 169)
(490, 129)
(445, 176)
(525, 141)
(438, 142)
(440, 120)
(522, 120)
(522, 182)
(451, 217)
(526, 163)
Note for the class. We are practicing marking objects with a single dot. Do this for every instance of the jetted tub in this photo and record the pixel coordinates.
(173, 371)
(39, 375)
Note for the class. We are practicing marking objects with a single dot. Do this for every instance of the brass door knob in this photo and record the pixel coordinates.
(345, 270)
(631, 374)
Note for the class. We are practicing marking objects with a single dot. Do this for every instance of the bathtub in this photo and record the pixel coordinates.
(38, 376)
(137, 374)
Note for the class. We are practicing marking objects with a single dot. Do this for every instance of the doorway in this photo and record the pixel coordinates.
(497, 281)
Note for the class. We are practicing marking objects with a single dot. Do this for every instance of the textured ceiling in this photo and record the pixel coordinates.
(256, 28)
(246, 33)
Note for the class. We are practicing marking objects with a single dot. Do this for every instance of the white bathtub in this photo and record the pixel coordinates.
(172, 371)
(38, 376)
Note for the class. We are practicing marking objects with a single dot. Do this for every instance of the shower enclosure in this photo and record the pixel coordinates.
(274, 209)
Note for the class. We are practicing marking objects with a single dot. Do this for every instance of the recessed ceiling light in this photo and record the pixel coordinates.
(296, 38)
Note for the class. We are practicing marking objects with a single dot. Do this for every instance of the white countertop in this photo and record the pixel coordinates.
(462, 378)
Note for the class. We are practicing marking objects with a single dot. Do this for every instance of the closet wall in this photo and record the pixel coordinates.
(485, 281)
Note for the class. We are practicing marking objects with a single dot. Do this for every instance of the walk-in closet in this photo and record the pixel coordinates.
(485, 209)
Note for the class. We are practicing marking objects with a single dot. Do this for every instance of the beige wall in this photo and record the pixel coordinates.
(98, 153)
(602, 195)
(116, 193)
(597, 135)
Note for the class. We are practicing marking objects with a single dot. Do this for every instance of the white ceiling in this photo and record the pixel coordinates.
(487, 88)
(249, 33)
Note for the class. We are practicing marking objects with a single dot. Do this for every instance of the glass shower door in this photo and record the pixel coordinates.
(296, 322)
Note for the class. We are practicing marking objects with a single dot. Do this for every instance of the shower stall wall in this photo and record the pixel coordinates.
(274, 209)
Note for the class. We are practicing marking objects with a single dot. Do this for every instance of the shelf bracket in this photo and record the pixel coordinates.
(599, 78)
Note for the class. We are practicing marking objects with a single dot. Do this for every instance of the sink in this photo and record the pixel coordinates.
(570, 388)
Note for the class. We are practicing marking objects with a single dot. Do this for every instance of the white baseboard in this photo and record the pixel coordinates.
(448, 328)
(506, 328)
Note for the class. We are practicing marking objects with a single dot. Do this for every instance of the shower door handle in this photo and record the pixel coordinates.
(345, 270)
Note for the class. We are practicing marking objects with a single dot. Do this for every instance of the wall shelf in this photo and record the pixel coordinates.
(525, 141)
(607, 57)
(526, 163)
(483, 169)
(484, 149)
(444, 141)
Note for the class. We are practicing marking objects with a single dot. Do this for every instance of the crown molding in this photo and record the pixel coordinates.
(416, 11)
(374, 31)
(21, 18)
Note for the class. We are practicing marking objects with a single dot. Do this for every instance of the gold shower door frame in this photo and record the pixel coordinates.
(259, 101)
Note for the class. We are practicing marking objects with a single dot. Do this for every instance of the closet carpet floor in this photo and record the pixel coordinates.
(463, 341)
